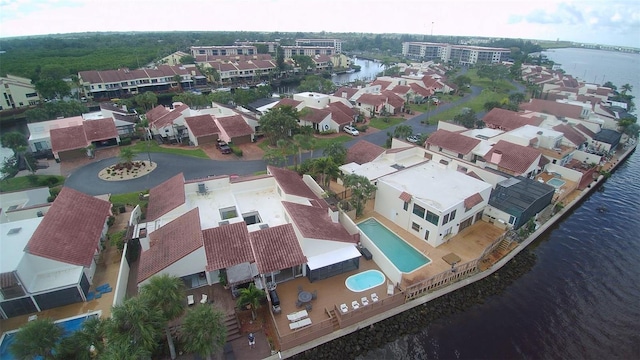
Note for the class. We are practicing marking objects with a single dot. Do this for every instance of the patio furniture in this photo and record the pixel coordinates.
(297, 316)
(299, 324)
(300, 289)
(190, 300)
(204, 299)
(304, 296)
(314, 294)
(32, 318)
(298, 303)
(344, 308)
(374, 297)
(390, 289)
(90, 295)
(355, 305)
(365, 301)
(308, 307)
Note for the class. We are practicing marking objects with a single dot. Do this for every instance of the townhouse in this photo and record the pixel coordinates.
(17, 92)
(223, 50)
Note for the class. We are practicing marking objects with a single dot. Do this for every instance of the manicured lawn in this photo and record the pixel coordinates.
(382, 123)
(152, 146)
(128, 198)
(501, 86)
(476, 104)
(30, 181)
(322, 143)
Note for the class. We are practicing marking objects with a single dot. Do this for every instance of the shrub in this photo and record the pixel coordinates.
(125, 141)
(33, 179)
(54, 191)
(111, 221)
(236, 150)
(362, 128)
(117, 239)
(47, 181)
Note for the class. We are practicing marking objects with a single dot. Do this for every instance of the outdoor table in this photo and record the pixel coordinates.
(304, 296)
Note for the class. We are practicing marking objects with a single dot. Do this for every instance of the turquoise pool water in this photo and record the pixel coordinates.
(69, 326)
(401, 254)
(556, 183)
(365, 280)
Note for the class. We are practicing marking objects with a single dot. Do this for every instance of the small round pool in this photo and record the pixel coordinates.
(365, 280)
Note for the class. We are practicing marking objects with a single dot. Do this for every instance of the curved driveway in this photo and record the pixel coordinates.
(86, 180)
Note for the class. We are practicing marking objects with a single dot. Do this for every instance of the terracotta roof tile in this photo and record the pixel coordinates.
(315, 115)
(507, 120)
(372, 99)
(344, 108)
(315, 223)
(405, 196)
(401, 89)
(553, 108)
(472, 201)
(585, 130)
(227, 245)
(363, 152)
(338, 115)
(68, 138)
(453, 141)
(100, 129)
(571, 134)
(420, 90)
(166, 197)
(288, 102)
(383, 84)
(70, 231)
(202, 125)
(515, 158)
(291, 182)
(234, 126)
(170, 243)
(168, 118)
(345, 92)
(156, 113)
(393, 99)
(276, 248)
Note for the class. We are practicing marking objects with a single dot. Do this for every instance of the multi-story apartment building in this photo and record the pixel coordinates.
(336, 44)
(291, 51)
(17, 92)
(224, 50)
(271, 45)
(460, 54)
(125, 82)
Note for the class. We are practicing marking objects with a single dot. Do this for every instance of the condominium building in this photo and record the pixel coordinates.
(271, 45)
(336, 44)
(224, 50)
(291, 51)
(460, 54)
(17, 92)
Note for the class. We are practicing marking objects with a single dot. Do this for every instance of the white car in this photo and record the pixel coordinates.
(351, 130)
(414, 138)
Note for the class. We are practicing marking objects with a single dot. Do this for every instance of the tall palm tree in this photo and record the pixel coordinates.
(167, 294)
(36, 338)
(126, 155)
(251, 296)
(327, 168)
(89, 338)
(203, 331)
(626, 87)
(337, 152)
(124, 351)
(135, 322)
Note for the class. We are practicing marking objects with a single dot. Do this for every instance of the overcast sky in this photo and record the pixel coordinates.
(614, 22)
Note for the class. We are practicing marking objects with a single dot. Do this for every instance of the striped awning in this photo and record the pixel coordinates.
(405, 196)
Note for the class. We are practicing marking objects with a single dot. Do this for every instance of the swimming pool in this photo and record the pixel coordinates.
(403, 256)
(365, 280)
(556, 183)
(69, 325)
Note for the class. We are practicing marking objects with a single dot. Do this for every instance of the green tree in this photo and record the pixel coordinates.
(489, 105)
(167, 294)
(462, 81)
(326, 169)
(36, 338)
(178, 80)
(220, 97)
(147, 100)
(282, 66)
(402, 131)
(124, 351)
(288, 148)
(203, 331)
(337, 152)
(52, 89)
(361, 191)
(53, 71)
(516, 98)
(279, 123)
(515, 71)
(135, 322)
(305, 63)
(493, 72)
(262, 48)
(187, 59)
(626, 88)
(251, 296)
(13, 140)
(466, 118)
(275, 157)
(84, 344)
(315, 83)
(610, 85)
(304, 142)
(126, 155)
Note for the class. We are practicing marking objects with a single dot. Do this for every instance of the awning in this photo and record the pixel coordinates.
(451, 258)
(333, 257)
(405, 196)
(241, 273)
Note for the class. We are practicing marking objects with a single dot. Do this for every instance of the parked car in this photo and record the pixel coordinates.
(223, 147)
(415, 138)
(351, 130)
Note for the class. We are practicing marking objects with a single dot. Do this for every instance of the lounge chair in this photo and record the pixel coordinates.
(374, 297)
(204, 299)
(355, 304)
(308, 307)
(390, 289)
(344, 308)
(365, 301)
(190, 300)
(299, 324)
(298, 315)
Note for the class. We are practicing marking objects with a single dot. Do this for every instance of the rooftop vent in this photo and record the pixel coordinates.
(14, 231)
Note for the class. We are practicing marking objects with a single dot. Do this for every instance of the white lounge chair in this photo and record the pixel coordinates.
(390, 289)
(365, 301)
(204, 299)
(344, 308)
(355, 304)
(190, 300)
(299, 315)
(299, 324)
(374, 297)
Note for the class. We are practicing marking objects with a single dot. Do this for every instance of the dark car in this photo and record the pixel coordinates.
(224, 148)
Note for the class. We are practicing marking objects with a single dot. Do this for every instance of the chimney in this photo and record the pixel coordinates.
(333, 213)
(496, 157)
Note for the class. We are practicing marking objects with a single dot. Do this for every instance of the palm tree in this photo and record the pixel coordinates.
(203, 331)
(251, 296)
(166, 293)
(36, 338)
(304, 142)
(89, 338)
(287, 148)
(124, 351)
(137, 323)
(126, 155)
(337, 152)
(327, 168)
(361, 191)
(626, 87)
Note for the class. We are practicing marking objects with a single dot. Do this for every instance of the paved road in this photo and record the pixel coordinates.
(86, 180)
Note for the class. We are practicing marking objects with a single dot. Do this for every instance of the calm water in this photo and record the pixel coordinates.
(368, 72)
(582, 298)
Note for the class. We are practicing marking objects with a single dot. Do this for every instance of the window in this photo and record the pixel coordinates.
(252, 218)
(460, 156)
(446, 219)
(432, 218)
(29, 95)
(415, 226)
(418, 210)
(512, 220)
(228, 213)
(405, 206)
(453, 215)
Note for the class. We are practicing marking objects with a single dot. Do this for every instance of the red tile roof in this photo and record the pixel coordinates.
(472, 201)
(405, 196)
(338, 115)
(291, 182)
(202, 125)
(168, 118)
(515, 158)
(68, 138)
(585, 130)
(344, 108)
(227, 245)
(383, 84)
(315, 115)
(234, 126)
(420, 90)
(166, 197)
(100, 129)
(571, 134)
(507, 120)
(401, 89)
(372, 99)
(276, 248)
(553, 108)
(70, 231)
(170, 243)
(363, 152)
(394, 99)
(156, 113)
(314, 223)
(453, 141)
(345, 92)
(288, 102)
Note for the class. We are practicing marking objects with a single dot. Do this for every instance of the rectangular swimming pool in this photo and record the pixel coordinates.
(556, 183)
(404, 256)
